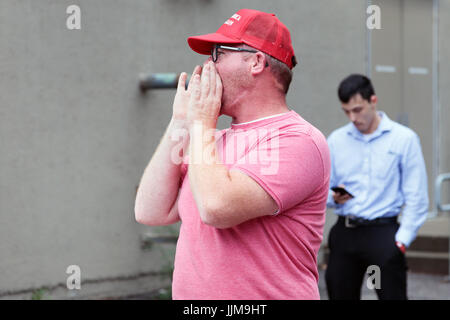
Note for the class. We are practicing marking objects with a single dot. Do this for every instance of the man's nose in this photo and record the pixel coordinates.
(352, 117)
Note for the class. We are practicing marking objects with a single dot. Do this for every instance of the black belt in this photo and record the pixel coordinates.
(353, 222)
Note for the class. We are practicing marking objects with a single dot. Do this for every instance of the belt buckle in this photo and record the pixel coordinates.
(348, 224)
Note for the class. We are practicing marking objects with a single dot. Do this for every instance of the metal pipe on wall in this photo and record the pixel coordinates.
(160, 81)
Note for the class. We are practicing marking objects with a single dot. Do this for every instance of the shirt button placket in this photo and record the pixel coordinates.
(366, 171)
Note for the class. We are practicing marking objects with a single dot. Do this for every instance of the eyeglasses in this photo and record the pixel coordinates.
(215, 53)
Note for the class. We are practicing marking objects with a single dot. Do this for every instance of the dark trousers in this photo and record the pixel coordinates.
(353, 250)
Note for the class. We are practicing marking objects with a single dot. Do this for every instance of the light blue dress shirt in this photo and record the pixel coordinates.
(385, 171)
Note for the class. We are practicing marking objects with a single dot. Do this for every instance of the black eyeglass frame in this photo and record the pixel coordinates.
(214, 49)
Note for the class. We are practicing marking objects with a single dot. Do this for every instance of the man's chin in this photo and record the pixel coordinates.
(362, 129)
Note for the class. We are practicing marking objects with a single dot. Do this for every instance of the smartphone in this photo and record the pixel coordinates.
(342, 191)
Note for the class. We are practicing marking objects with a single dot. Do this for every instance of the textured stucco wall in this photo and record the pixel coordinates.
(76, 134)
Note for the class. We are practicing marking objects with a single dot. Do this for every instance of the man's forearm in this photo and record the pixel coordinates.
(209, 179)
(221, 194)
(159, 184)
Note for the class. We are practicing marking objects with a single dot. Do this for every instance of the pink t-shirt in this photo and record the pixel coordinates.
(271, 257)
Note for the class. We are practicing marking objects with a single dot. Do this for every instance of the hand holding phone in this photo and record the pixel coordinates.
(341, 190)
(341, 195)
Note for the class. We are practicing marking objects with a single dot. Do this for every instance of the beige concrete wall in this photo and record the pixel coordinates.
(76, 134)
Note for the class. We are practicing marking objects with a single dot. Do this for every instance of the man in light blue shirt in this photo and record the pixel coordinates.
(380, 164)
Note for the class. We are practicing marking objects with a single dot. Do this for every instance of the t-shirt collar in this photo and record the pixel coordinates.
(261, 121)
(385, 125)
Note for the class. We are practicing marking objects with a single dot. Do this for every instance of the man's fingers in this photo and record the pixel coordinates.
(182, 81)
(195, 87)
(218, 86)
(216, 82)
(346, 197)
(340, 198)
(213, 78)
(205, 85)
(197, 70)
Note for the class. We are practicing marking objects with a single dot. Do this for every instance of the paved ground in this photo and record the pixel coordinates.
(420, 287)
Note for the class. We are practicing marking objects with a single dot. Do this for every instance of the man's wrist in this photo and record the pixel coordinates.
(177, 127)
(178, 123)
(201, 131)
(205, 124)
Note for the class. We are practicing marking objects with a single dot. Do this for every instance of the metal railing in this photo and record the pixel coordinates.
(438, 192)
(442, 207)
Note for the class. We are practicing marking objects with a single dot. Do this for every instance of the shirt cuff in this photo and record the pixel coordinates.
(330, 200)
(405, 236)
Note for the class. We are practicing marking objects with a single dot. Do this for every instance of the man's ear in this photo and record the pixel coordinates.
(373, 99)
(259, 62)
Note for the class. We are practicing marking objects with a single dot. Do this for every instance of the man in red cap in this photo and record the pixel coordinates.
(251, 198)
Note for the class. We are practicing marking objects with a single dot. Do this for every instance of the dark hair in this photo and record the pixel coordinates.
(354, 84)
(280, 70)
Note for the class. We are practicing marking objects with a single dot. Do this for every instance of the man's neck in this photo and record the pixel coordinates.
(375, 123)
(254, 108)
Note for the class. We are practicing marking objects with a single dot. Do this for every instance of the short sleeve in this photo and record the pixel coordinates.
(289, 167)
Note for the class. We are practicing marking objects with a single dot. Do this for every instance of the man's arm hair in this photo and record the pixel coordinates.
(157, 195)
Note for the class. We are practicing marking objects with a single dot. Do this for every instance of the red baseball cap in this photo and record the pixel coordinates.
(260, 30)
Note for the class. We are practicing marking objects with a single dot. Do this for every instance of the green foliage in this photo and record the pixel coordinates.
(164, 294)
(38, 294)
